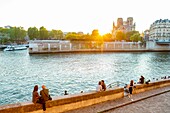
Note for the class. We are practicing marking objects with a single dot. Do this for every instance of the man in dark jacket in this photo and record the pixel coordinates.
(44, 95)
(103, 85)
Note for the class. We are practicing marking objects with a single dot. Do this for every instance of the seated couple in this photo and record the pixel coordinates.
(101, 86)
(36, 98)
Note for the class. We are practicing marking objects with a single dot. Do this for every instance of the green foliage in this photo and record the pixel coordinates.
(56, 34)
(73, 36)
(129, 34)
(33, 33)
(136, 37)
(4, 35)
(17, 33)
(43, 33)
(4, 40)
(120, 35)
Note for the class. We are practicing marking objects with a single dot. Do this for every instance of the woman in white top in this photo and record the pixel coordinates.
(99, 87)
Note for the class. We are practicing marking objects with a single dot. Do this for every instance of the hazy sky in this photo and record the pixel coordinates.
(81, 15)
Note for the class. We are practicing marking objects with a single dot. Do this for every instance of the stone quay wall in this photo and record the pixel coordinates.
(55, 46)
(152, 85)
(70, 102)
(67, 102)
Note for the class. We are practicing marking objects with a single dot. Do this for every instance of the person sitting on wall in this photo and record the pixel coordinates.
(103, 85)
(147, 82)
(35, 95)
(44, 96)
(141, 80)
(99, 87)
(65, 92)
(36, 98)
(126, 88)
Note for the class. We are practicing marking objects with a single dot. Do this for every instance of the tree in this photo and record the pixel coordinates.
(43, 33)
(73, 36)
(17, 34)
(95, 34)
(87, 37)
(56, 34)
(129, 34)
(33, 33)
(135, 37)
(107, 37)
(120, 35)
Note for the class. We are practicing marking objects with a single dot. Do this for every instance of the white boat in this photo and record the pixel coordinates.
(15, 48)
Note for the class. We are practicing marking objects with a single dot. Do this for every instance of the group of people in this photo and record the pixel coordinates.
(44, 93)
(131, 86)
(101, 86)
(42, 98)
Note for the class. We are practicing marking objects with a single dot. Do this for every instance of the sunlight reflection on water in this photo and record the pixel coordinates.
(73, 72)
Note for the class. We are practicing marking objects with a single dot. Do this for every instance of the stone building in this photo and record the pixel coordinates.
(124, 26)
(160, 30)
(146, 35)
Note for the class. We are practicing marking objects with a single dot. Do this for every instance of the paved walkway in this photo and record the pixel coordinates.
(153, 101)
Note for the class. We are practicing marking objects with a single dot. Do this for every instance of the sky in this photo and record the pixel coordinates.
(81, 15)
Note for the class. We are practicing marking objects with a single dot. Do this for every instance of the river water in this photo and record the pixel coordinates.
(74, 72)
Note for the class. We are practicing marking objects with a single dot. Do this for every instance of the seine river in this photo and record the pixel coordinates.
(19, 71)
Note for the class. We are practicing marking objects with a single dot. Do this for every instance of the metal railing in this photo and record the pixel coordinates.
(116, 84)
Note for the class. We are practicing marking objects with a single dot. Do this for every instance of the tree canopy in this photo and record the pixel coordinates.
(120, 35)
(129, 34)
(136, 37)
(56, 34)
(43, 33)
(33, 33)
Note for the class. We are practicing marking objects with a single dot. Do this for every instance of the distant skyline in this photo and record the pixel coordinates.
(81, 15)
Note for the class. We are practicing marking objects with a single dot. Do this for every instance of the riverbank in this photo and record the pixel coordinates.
(86, 100)
(53, 46)
(155, 100)
(100, 50)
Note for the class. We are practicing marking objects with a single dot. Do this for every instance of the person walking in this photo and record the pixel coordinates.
(131, 89)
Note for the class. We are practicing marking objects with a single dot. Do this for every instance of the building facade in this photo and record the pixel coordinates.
(146, 35)
(124, 26)
(160, 30)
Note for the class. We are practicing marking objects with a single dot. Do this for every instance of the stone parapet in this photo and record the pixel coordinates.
(65, 103)
(152, 85)
(75, 101)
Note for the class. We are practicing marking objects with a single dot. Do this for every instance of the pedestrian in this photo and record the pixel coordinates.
(131, 89)
(103, 85)
(99, 87)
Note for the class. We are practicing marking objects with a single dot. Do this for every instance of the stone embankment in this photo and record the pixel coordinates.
(99, 50)
(79, 101)
(53, 46)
